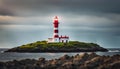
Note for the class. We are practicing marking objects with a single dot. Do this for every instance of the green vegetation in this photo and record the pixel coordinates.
(72, 46)
(44, 45)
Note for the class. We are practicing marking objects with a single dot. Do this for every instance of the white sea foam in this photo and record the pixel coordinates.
(114, 51)
(1, 51)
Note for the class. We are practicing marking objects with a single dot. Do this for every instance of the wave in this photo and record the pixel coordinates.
(1, 51)
(114, 50)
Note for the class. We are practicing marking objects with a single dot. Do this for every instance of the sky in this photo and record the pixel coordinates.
(26, 21)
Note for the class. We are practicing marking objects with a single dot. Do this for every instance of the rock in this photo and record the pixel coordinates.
(115, 65)
(2, 65)
(79, 61)
(65, 57)
(41, 60)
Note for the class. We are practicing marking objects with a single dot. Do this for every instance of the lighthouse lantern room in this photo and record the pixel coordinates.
(56, 37)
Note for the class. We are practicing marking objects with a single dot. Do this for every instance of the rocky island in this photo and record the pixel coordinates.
(71, 46)
(79, 61)
(58, 43)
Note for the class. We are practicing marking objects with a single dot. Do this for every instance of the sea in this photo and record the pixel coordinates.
(10, 56)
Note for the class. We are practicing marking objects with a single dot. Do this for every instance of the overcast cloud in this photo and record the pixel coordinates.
(24, 21)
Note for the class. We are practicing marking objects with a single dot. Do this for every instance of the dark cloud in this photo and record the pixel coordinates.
(4, 11)
(42, 7)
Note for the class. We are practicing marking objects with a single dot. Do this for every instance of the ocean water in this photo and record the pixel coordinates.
(9, 56)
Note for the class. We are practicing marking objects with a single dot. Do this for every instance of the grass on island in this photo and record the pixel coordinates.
(71, 44)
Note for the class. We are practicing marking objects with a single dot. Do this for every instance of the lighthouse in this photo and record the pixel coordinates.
(56, 30)
(56, 37)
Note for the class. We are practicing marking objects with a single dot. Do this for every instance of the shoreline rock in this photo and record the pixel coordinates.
(84, 61)
(57, 51)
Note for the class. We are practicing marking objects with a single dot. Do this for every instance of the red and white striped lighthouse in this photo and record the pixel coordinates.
(56, 37)
(56, 31)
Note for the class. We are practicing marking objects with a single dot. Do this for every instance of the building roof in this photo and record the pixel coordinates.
(64, 37)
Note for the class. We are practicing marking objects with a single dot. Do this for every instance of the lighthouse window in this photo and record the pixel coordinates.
(66, 41)
(62, 41)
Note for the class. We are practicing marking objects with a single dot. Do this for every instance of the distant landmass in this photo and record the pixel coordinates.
(71, 46)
